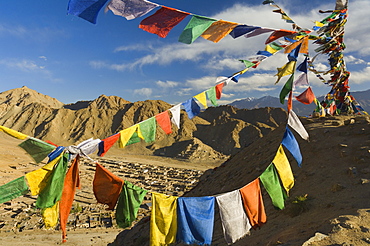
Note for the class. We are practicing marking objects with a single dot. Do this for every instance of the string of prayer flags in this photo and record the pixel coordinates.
(106, 186)
(306, 97)
(218, 30)
(284, 16)
(36, 148)
(191, 108)
(296, 124)
(13, 133)
(278, 34)
(54, 186)
(211, 94)
(175, 111)
(126, 134)
(128, 204)
(71, 182)
(287, 69)
(131, 9)
(286, 89)
(50, 216)
(86, 9)
(162, 21)
(148, 129)
(202, 99)
(292, 145)
(195, 217)
(196, 26)
(164, 121)
(107, 143)
(241, 30)
(13, 189)
(253, 203)
(219, 88)
(163, 221)
(235, 223)
(38, 179)
(270, 180)
(282, 165)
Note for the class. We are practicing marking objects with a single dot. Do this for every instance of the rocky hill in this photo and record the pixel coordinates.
(43, 117)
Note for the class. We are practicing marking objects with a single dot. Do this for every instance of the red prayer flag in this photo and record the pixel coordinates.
(253, 203)
(219, 90)
(164, 121)
(50, 142)
(290, 101)
(278, 34)
(162, 21)
(306, 97)
(106, 186)
(71, 181)
(108, 143)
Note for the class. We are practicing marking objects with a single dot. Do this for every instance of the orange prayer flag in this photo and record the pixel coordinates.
(306, 97)
(303, 49)
(106, 186)
(290, 101)
(278, 34)
(253, 203)
(164, 121)
(71, 181)
(219, 90)
(218, 30)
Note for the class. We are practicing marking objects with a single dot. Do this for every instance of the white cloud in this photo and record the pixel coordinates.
(143, 92)
(166, 84)
(360, 77)
(23, 64)
(43, 58)
(354, 60)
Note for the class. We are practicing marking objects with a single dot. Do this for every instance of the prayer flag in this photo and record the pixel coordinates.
(36, 148)
(13, 133)
(15, 188)
(38, 179)
(129, 202)
(282, 165)
(131, 9)
(202, 99)
(191, 108)
(57, 152)
(211, 94)
(293, 46)
(293, 55)
(107, 143)
(219, 90)
(86, 9)
(218, 30)
(292, 145)
(287, 69)
(278, 34)
(290, 101)
(106, 186)
(270, 181)
(241, 30)
(163, 120)
(301, 81)
(54, 186)
(71, 182)
(175, 111)
(273, 48)
(264, 53)
(258, 31)
(253, 203)
(195, 216)
(286, 89)
(196, 26)
(247, 63)
(306, 97)
(303, 66)
(50, 216)
(148, 129)
(296, 124)
(234, 220)
(127, 133)
(163, 221)
(162, 21)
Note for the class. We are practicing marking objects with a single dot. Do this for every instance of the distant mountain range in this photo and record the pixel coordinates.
(362, 97)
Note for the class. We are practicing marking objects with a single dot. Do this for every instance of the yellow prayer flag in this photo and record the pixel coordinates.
(50, 216)
(282, 165)
(287, 69)
(319, 24)
(127, 133)
(201, 97)
(270, 49)
(218, 30)
(13, 133)
(163, 221)
(37, 179)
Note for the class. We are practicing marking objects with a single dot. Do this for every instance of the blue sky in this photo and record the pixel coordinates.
(70, 59)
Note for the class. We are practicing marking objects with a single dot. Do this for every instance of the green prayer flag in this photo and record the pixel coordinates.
(211, 94)
(36, 148)
(286, 89)
(148, 128)
(129, 202)
(275, 46)
(247, 63)
(270, 180)
(54, 187)
(196, 26)
(13, 189)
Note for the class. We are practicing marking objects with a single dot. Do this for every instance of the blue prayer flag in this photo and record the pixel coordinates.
(303, 66)
(241, 30)
(291, 144)
(293, 55)
(191, 108)
(86, 9)
(264, 53)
